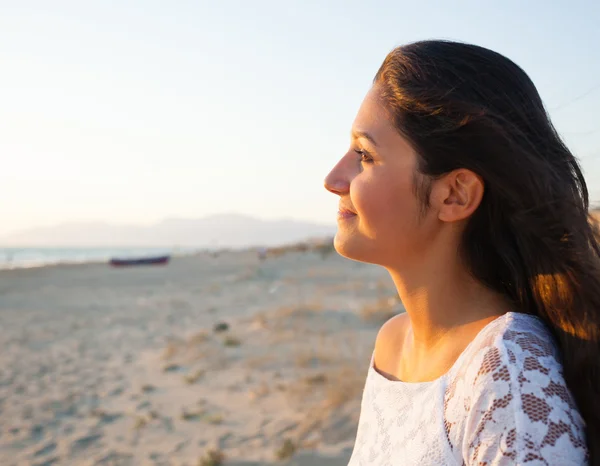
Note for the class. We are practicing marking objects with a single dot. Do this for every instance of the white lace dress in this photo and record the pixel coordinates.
(503, 402)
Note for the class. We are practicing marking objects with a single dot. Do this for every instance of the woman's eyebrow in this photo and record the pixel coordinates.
(363, 134)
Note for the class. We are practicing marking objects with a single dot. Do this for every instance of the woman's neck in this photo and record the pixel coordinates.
(441, 297)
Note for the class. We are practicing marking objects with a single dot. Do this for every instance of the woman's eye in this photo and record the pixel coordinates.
(364, 157)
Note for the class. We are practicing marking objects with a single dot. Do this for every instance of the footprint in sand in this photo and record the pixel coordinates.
(117, 391)
(84, 442)
(36, 433)
(46, 449)
(114, 458)
(110, 418)
(143, 405)
(49, 462)
(105, 418)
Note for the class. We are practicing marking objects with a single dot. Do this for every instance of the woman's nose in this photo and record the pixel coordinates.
(337, 181)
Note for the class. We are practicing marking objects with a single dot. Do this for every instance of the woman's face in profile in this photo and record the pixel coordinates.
(378, 220)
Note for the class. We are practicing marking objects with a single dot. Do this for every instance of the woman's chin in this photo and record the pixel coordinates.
(351, 246)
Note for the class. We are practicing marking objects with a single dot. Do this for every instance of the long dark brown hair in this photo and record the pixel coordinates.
(532, 237)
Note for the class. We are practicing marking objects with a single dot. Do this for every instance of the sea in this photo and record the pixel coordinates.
(16, 258)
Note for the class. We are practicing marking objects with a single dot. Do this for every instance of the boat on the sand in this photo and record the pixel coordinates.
(123, 262)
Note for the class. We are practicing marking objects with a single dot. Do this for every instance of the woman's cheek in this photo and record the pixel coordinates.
(362, 192)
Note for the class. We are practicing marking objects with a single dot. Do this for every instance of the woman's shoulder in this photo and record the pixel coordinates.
(391, 335)
(511, 389)
(514, 347)
(393, 327)
(517, 339)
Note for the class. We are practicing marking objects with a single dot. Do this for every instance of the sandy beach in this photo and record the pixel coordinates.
(209, 360)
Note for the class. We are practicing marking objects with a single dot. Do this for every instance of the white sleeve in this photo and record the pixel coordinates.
(520, 410)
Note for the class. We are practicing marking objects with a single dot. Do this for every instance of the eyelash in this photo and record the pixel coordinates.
(364, 156)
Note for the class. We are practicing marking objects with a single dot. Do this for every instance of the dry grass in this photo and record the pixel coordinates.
(201, 414)
(231, 341)
(286, 450)
(171, 367)
(148, 388)
(140, 422)
(99, 413)
(199, 338)
(194, 415)
(192, 378)
(212, 458)
(215, 419)
(185, 351)
(316, 379)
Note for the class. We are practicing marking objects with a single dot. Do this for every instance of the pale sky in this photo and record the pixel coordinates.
(133, 111)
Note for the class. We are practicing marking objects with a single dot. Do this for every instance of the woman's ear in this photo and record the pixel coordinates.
(458, 194)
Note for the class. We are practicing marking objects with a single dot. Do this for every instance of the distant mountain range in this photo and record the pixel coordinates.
(226, 230)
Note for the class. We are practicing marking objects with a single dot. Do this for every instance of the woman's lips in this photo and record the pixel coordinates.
(343, 214)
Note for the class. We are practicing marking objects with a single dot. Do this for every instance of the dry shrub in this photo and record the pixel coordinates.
(184, 351)
(140, 422)
(148, 388)
(194, 415)
(215, 419)
(171, 368)
(286, 450)
(201, 337)
(193, 377)
(176, 345)
(212, 458)
(316, 379)
(231, 341)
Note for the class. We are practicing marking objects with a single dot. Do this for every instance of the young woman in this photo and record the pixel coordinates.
(458, 184)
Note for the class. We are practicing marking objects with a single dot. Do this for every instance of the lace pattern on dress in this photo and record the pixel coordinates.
(504, 402)
(518, 408)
